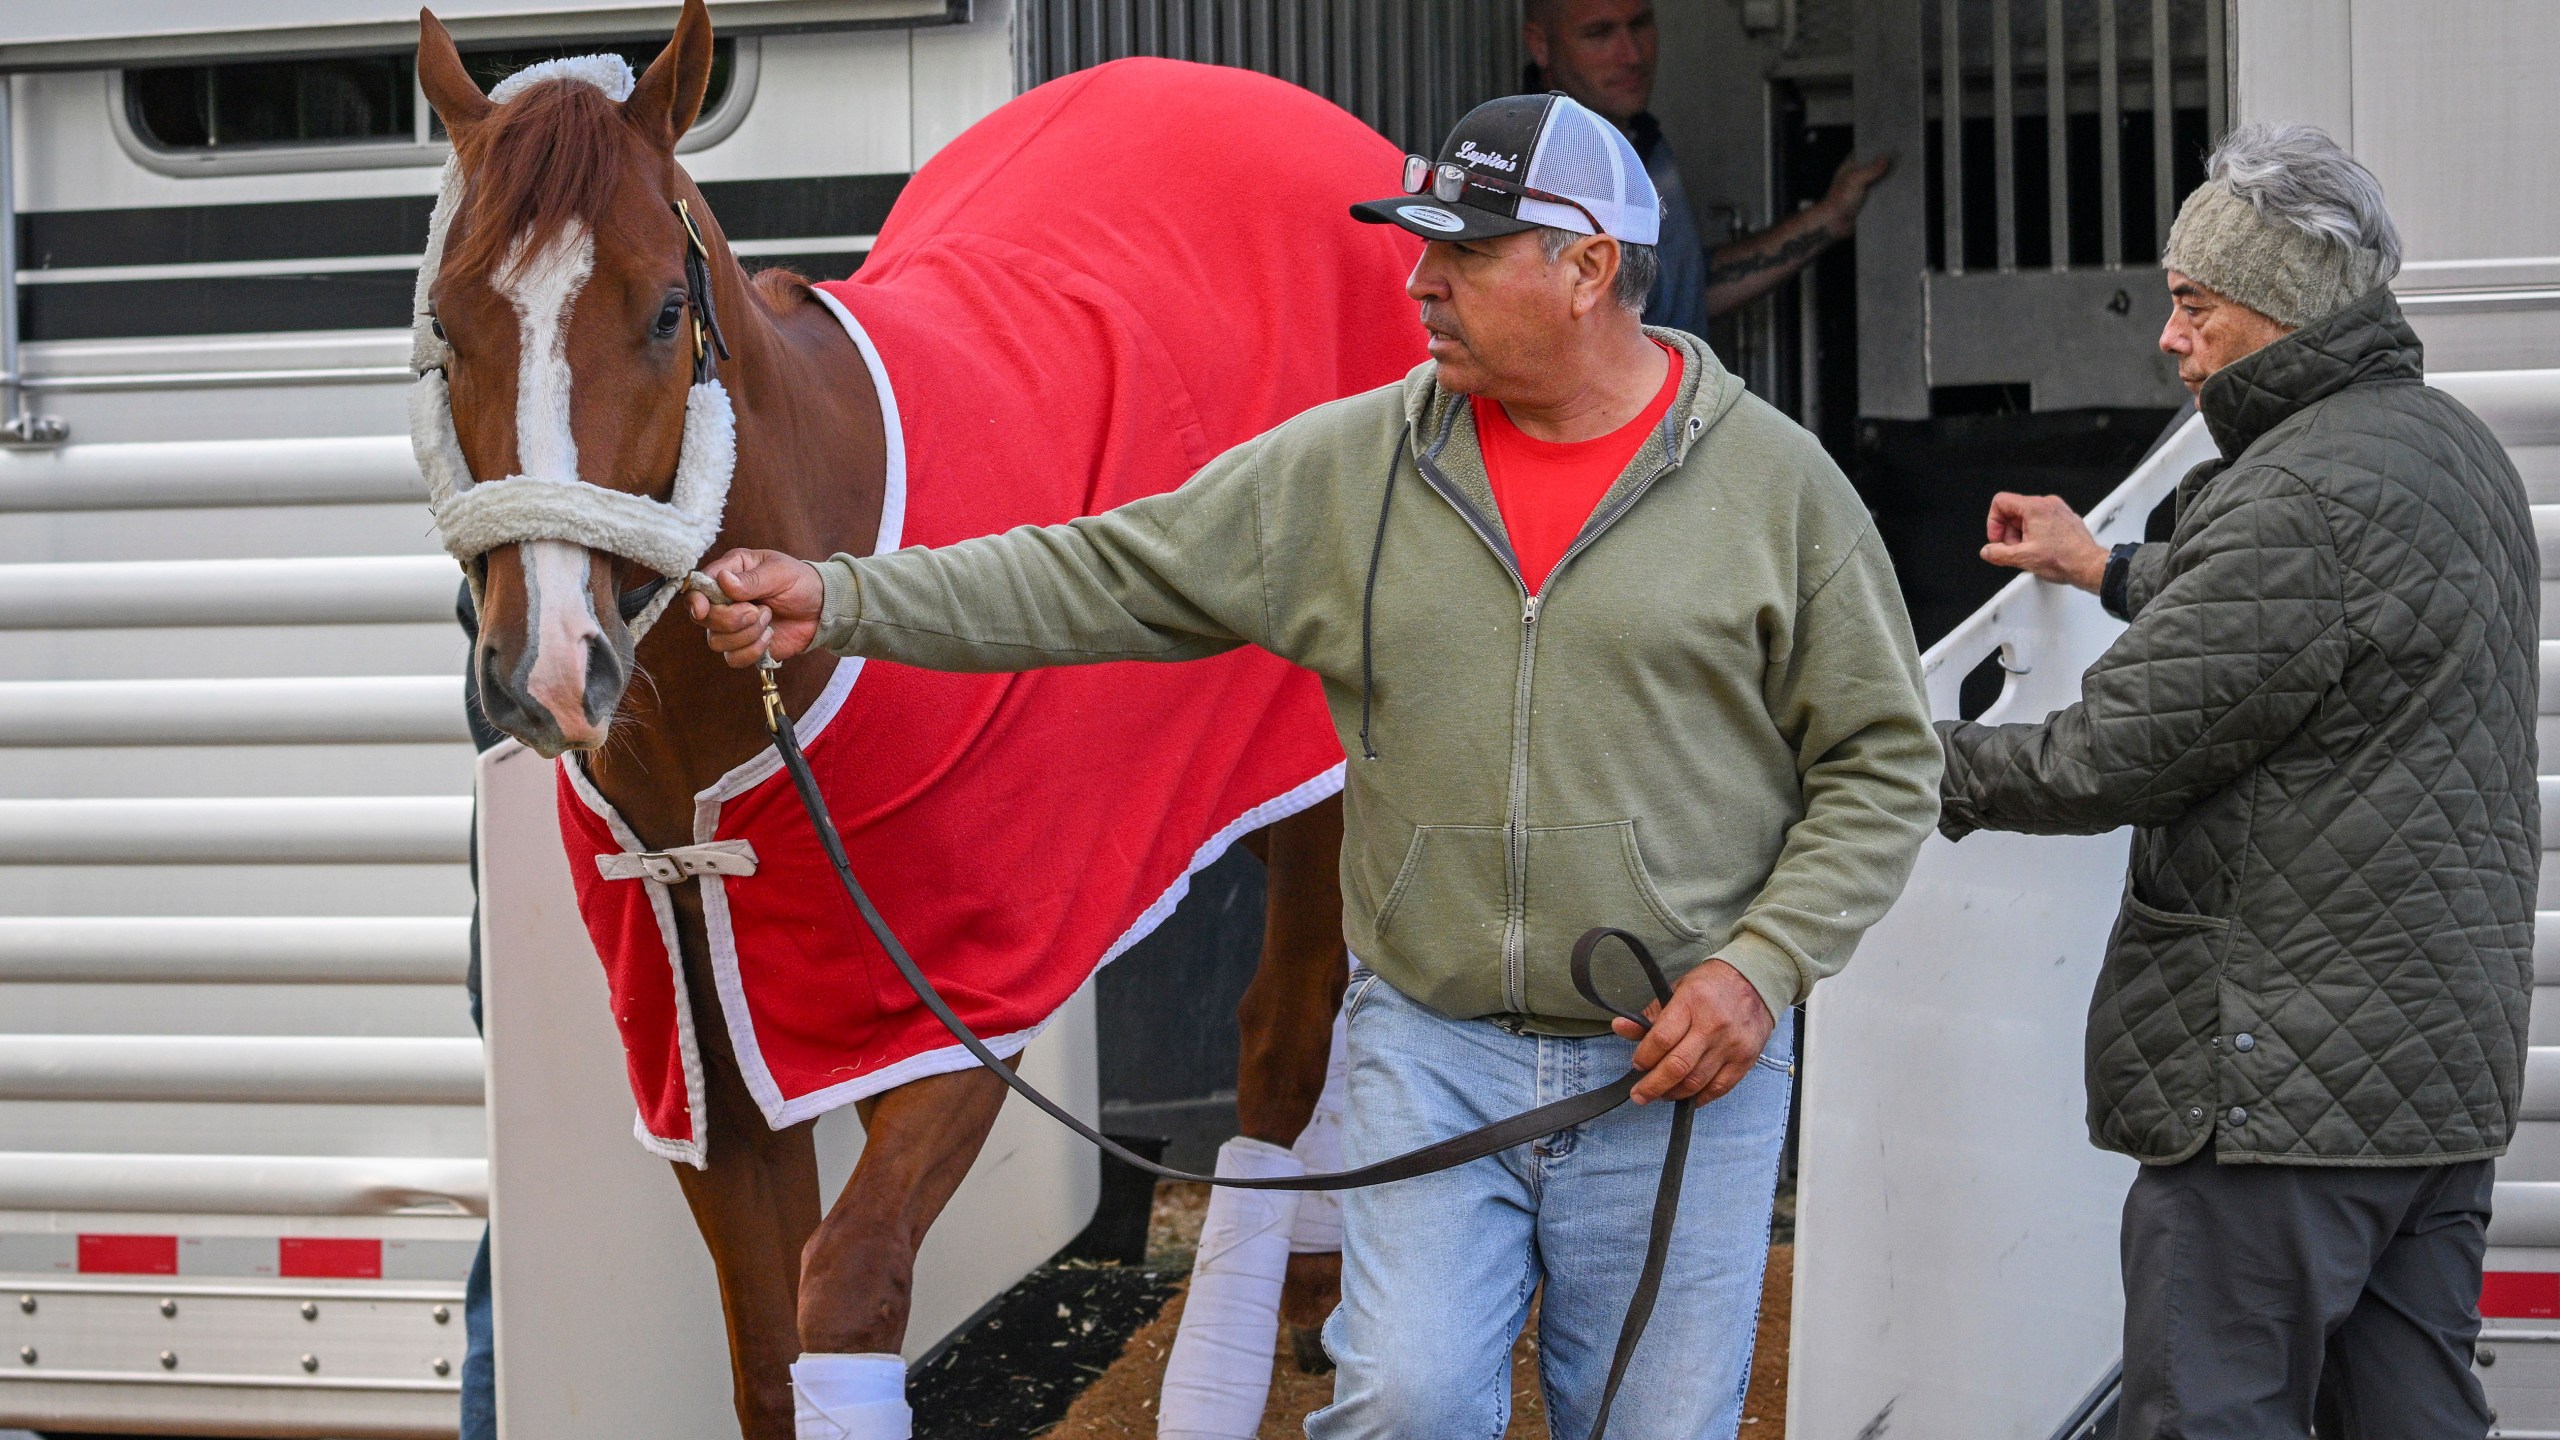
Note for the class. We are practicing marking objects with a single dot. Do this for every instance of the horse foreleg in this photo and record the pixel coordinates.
(755, 1203)
(857, 1274)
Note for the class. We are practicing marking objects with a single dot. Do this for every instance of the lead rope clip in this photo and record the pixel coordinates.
(766, 668)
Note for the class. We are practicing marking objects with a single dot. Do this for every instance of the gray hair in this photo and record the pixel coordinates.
(1637, 265)
(2295, 175)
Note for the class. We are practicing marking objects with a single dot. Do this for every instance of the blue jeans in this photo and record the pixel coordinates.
(1438, 1271)
(479, 1356)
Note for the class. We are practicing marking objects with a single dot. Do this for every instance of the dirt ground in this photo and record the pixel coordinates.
(1120, 1404)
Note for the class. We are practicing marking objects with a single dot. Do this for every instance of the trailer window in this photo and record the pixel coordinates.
(331, 101)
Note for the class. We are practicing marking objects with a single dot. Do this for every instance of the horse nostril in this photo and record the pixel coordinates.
(604, 679)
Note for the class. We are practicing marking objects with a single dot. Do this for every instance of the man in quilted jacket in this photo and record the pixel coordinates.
(2310, 1024)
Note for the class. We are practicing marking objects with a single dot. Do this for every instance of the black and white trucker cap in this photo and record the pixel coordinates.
(1548, 142)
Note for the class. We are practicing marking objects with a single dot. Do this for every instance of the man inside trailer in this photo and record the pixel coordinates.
(1604, 53)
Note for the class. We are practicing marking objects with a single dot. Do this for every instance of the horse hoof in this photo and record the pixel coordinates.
(1306, 1342)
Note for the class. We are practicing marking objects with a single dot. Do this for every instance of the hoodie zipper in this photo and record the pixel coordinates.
(1515, 828)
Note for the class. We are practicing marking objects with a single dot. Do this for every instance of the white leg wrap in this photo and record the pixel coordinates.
(1219, 1375)
(1319, 1148)
(850, 1397)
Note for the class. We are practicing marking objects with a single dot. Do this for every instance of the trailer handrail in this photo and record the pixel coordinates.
(241, 1184)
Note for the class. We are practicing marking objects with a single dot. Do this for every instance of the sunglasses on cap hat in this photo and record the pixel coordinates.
(1448, 182)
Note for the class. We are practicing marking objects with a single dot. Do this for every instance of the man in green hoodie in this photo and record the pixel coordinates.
(1610, 642)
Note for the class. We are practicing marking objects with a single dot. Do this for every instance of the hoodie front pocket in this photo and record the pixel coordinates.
(1586, 875)
(1449, 895)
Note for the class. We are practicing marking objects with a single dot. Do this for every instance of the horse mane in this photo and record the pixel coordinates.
(778, 287)
(550, 156)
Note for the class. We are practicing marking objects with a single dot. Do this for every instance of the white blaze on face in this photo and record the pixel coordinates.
(560, 615)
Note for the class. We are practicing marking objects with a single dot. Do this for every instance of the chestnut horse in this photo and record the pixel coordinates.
(557, 664)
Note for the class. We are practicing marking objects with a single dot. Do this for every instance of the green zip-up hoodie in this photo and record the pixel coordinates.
(1707, 728)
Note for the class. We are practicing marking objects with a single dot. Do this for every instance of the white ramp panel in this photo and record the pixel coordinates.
(2519, 1355)
(608, 1317)
(1955, 1231)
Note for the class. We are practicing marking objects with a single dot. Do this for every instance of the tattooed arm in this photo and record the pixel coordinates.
(1754, 265)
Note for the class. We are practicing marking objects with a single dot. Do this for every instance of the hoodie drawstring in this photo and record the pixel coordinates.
(1369, 601)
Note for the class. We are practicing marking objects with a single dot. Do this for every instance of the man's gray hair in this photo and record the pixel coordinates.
(1637, 265)
(2295, 175)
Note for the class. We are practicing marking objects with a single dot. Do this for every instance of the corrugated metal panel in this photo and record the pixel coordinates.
(1408, 67)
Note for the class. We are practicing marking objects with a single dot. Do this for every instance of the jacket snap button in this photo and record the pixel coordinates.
(2195, 1115)
(2244, 1043)
(2238, 1116)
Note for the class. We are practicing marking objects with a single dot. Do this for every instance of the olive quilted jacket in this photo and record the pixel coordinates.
(2321, 724)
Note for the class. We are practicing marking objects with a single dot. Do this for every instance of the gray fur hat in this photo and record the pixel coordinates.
(2288, 224)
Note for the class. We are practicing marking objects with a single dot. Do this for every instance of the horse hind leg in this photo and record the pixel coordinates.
(857, 1274)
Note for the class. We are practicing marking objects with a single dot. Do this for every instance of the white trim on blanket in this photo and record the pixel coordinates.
(697, 1110)
(893, 494)
(717, 925)
(765, 763)
(952, 1057)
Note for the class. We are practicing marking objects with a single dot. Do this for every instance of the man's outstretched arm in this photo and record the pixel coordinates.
(1754, 265)
(1175, 576)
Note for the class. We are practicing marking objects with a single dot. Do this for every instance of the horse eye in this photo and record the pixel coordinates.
(668, 316)
(436, 324)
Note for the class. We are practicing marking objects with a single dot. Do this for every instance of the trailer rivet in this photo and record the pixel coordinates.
(444, 1367)
(27, 1354)
(168, 1359)
(169, 1308)
(310, 1363)
(442, 1314)
(26, 1304)
(310, 1310)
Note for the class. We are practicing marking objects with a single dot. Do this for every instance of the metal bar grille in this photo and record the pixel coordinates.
(2004, 135)
(2217, 72)
(2110, 140)
(2076, 71)
(1409, 68)
(2164, 194)
(2057, 133)
(1951, 133)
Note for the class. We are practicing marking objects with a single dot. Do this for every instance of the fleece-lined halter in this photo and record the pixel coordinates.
(550, 501)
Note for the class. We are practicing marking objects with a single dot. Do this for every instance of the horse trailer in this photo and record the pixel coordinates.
(249, 1137)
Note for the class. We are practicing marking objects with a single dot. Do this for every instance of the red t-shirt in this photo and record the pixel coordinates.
(1546, 489)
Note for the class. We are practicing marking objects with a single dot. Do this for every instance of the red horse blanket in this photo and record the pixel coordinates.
(1080, 301)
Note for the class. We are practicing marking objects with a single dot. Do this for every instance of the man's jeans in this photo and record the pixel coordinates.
(1438, 1271)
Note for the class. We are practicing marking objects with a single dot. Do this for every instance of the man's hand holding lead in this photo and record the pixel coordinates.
(773, 610)
(1705, 1041)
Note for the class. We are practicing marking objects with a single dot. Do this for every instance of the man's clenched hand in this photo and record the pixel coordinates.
(1705, 1041)
(773, 607)
(2043, 536)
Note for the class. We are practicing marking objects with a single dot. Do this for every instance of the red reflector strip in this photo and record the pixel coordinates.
(308, 1258)
(128, 1254)
(2520, 1294)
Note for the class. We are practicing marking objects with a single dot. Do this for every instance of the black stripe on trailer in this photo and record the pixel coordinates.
(749, 210)
(397, 224)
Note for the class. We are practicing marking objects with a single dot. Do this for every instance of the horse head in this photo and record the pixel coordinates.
(568, 415)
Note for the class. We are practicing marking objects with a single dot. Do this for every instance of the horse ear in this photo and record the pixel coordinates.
(669, 94)
(447, 83)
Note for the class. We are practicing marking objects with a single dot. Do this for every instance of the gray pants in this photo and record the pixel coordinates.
(2264, 1300)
